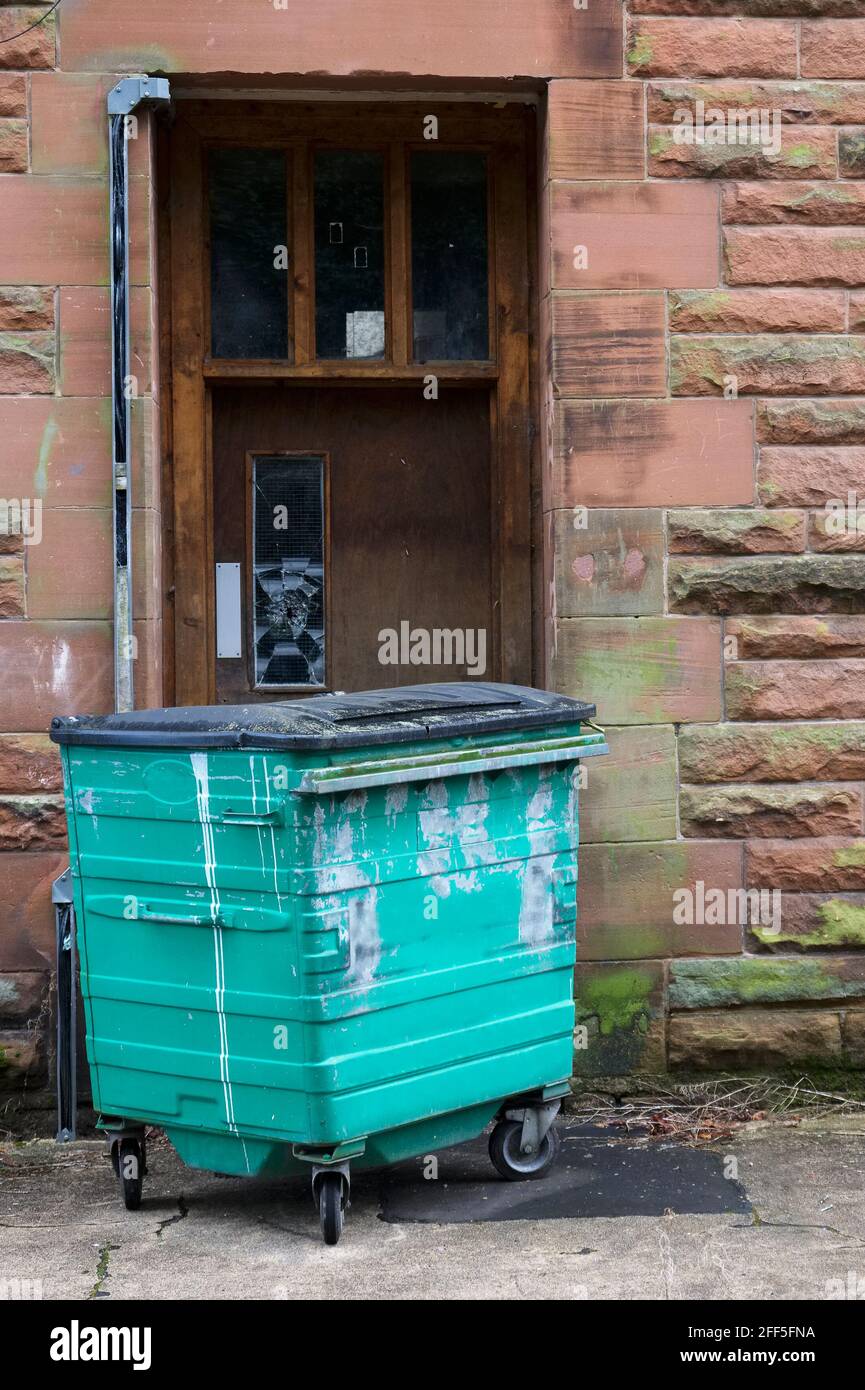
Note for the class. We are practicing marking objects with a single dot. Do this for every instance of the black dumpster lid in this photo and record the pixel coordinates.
(400, 715)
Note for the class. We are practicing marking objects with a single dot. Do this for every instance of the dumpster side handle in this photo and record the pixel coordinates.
(432, 766)
(262, 818)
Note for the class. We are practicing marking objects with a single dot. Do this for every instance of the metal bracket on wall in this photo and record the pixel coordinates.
(132, 91)
(67, 1006)
(126, 97)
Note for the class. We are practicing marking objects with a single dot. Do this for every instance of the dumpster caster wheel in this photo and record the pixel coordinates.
(130, 1171)
(331, 1206)
(515, 1166)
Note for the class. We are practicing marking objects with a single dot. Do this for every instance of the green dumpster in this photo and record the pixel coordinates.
(329, 932)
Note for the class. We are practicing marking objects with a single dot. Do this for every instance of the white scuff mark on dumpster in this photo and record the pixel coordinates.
(85, 801)
(471, 821)
(272, 833)
(395, 802)
(364, 938)
(436, 861)
(255, 811)
(343, 848)
(349, 815)
(467, 883)
(342, 878)
(440, 885)
(479, 787)
(481, 853)
(541, 826)
(435, 795)
(574, 803)
(536, 901)
(202, 796)
(466, 824)
(435, 825)
(318, 841)
(335, 847)
(543, 841)
(540, 803)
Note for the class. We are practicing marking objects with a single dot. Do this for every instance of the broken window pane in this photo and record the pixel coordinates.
(349, 254)
(449, 255)
(288, 570)
(248, 253)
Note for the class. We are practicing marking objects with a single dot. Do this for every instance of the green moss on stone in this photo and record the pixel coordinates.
(615, 1004)
(660, 142)
(720, 804)
(714, 357)
(768, 584)
(688, 359)
(641, 53)
(841, 924)
(618, 999)
(825, 195)
(702, 984)
(711, 158)
(39, 345)
(744, 680)
(752, 519)
(854, 417)
(707, 305)
(801, 156)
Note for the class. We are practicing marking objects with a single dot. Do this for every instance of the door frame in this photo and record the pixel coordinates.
(189, 370)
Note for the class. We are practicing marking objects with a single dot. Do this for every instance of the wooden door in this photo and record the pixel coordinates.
(405, 536)
(351, 439)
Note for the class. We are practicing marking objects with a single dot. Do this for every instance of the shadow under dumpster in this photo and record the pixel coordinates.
(596, 1174)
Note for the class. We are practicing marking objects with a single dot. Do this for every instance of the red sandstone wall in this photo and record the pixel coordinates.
(703, 602)
(55, 451)
(708, 399)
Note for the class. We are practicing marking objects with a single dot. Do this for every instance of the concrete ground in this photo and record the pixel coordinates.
(800, 1234)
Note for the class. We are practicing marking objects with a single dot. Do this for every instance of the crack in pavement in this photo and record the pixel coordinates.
(102, 1272)
(758, 1220)
(180, 1214)
(289, 1230)
(808, 1226)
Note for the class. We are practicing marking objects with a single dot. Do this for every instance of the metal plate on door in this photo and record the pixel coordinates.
(228, 623)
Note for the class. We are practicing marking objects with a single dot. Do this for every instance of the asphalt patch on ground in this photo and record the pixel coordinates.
(596, 1174)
